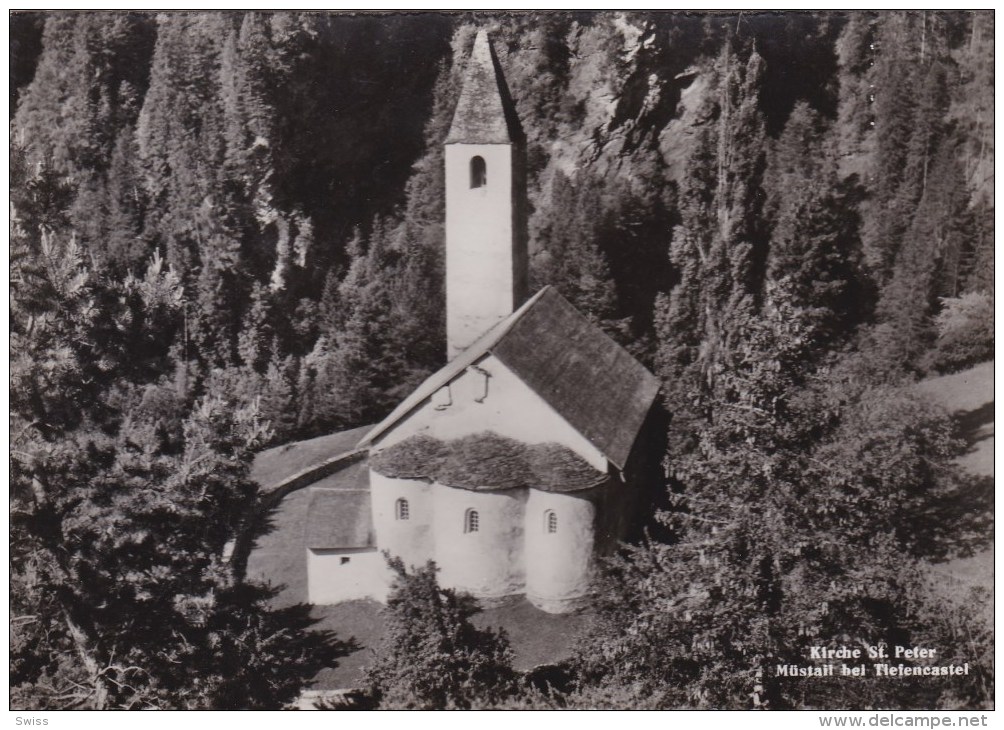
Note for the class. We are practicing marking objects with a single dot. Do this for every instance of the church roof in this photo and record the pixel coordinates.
(487, 461)
(339, 518)
(485, 113)
(590, 380)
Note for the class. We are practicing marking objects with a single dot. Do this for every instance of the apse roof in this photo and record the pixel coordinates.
(487, 461)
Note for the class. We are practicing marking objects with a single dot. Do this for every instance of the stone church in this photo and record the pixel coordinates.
(515, 465)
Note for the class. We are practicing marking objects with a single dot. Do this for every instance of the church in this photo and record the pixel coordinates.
(518, 463)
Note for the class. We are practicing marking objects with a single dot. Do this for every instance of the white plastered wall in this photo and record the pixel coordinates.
(488, 563)
(411, 539)
(336, 575)
(480, 282)
(559, 564)
(499, 402)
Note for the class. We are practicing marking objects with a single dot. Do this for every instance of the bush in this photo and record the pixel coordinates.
(965, 332)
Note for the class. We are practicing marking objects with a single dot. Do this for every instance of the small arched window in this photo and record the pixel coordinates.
(479, 172)
(471, 521)
(401, 509)
(550, 521)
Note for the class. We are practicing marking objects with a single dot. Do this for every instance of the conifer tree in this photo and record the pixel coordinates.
(813, 283)
(718, 250)
(119, 538)
(432, 657)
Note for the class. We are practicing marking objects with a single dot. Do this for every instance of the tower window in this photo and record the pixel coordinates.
(344, 561)
(479, 172)
(401, 509)
(471, 521)
(550, 521)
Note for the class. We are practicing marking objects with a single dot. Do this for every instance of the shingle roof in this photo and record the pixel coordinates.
(487, 461)
(590, 380)
(485, 113)
(594, 383)
(277, 465)
(339, 518)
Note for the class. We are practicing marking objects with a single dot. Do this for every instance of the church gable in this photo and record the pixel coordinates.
(487, 395)
(554, 376)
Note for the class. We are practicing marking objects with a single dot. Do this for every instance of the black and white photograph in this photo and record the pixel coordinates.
(509, 360)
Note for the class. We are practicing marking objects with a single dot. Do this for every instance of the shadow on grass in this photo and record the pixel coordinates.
(959, 522)
(269, 655)
(972, 424)
(259, 520)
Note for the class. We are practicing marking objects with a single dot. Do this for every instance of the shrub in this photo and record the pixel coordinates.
(965, 332)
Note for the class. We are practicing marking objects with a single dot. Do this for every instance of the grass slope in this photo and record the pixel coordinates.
(969, 396)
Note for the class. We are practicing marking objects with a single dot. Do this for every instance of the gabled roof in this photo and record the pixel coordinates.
(590, 380)
(339, 518)
(485, 113)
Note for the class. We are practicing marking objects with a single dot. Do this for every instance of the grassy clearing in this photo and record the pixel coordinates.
(969, 396)
(360, 621)
(536, 637)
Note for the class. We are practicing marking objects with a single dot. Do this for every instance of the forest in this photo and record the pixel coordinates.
(226, 233)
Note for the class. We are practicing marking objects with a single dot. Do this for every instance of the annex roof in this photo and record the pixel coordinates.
(590, 380)
(485, 113)
(339, 518)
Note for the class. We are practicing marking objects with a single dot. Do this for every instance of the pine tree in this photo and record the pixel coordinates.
(813, 283)
(718, 250)
(90, 76)
(571, 258)
(120, 537)
(432, 657)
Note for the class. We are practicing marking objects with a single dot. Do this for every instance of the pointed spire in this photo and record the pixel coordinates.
(485, 113)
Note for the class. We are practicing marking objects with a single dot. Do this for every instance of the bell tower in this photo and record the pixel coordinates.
(486, 249)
